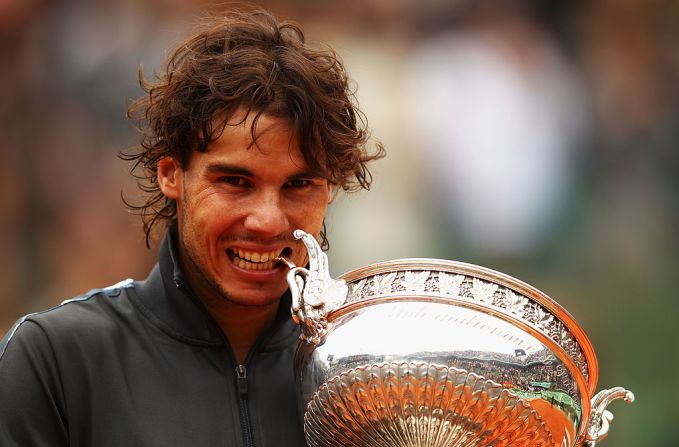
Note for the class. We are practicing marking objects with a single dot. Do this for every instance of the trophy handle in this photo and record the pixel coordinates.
(314, 292)
(600, 419)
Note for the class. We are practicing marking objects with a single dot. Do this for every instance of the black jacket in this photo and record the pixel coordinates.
(144, 364)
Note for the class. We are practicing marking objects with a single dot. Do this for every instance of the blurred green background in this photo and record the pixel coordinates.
(538, 138)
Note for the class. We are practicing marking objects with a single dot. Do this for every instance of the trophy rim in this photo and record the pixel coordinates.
(499, 278)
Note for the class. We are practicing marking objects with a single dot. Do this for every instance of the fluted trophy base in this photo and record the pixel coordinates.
(420, 405)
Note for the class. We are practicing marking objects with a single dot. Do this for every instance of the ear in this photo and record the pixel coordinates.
(169, 177)
(333, 192)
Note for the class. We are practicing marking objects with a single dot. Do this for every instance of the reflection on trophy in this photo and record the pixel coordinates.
(428, 352)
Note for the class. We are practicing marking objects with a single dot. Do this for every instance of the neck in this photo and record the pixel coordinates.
(242, 325)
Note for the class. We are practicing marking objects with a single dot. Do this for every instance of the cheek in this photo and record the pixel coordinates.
(207, 218)
(312, 215)
(210, 206)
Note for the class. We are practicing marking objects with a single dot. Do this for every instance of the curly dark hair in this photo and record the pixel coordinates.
(247, 60)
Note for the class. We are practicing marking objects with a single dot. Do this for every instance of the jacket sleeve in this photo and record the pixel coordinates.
(31, 398)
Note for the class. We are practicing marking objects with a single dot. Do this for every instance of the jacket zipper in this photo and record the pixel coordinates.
(241, 378)
(242, 385)
(241, 388)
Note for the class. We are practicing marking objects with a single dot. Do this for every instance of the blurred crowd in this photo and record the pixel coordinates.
(536, 137)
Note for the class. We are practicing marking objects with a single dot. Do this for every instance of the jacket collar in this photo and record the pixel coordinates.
(167, 299)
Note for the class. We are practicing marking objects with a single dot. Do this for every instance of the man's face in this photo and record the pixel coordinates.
(238, 204)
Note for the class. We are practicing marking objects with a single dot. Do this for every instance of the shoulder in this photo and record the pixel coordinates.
(83, 316)
(93, 309)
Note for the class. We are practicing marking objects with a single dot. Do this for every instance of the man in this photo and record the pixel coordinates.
(247, 135)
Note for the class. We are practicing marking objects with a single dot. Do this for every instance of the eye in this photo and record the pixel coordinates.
(298, 183)
(235, 180)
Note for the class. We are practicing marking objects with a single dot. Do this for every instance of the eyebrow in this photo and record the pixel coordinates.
(223, 168)
(307, 175)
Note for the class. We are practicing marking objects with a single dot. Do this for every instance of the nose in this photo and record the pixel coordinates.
(267, 216)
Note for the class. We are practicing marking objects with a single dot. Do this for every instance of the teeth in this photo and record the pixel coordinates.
(255, 256)
(255, 261)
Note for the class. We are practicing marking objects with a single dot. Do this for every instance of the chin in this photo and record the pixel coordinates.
(256, 297)
(253, 301)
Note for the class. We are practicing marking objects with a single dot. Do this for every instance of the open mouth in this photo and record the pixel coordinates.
(251, 260)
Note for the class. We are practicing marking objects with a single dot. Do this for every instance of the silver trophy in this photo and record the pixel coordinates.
(429, 352)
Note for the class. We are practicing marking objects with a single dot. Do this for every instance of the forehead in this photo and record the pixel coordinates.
(268, 140)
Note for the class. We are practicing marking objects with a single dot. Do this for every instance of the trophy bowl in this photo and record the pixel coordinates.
(430, 352)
